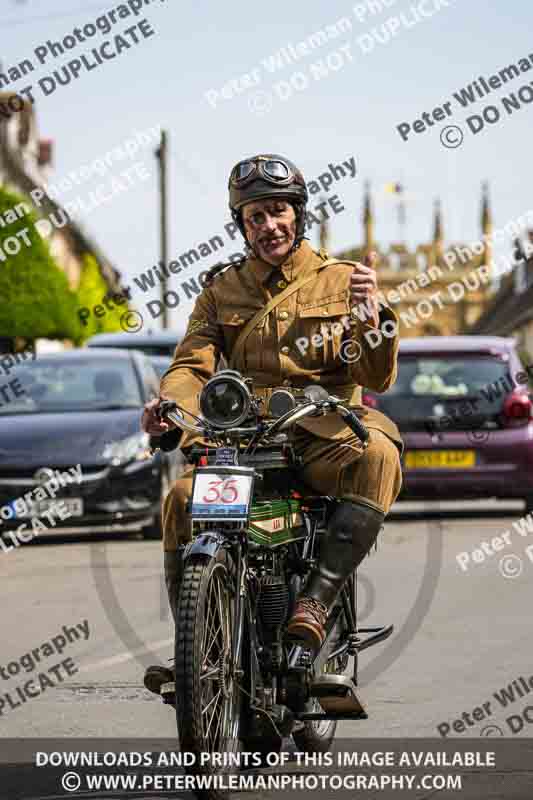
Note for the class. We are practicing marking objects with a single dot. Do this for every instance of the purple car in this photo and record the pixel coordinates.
(464, 409)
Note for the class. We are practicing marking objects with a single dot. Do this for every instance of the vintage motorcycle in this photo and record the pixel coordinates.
(257, 532)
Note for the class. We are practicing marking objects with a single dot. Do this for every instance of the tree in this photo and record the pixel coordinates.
(91, 292)
(35, 298)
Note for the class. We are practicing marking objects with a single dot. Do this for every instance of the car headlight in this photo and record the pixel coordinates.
(133, 448)
(225, 401)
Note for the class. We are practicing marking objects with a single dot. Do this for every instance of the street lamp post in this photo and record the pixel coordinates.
(161, 154)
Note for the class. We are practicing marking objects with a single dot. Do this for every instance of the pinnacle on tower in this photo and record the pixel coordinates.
(486, 216)
(486, 223)
(438, 235)
(368, 219)
(324, 234)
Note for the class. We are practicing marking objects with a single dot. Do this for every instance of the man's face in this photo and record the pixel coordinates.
(270, 228)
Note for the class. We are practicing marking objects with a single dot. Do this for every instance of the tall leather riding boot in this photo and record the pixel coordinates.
(156, 675)
(173, 566)
(352, 531)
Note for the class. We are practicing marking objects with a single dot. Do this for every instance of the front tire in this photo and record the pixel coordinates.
(207, 694)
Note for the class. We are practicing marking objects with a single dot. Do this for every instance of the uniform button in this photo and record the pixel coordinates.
(283, 314)
(285, 350)
(286, 382)
(281, 284)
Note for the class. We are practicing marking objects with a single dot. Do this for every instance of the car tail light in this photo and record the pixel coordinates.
(370, 401)
(517, 410)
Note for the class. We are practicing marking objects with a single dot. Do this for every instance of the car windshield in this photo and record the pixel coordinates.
(446, 377)
(147, 349)
(429, 387)
(83, 384)
(160, 364)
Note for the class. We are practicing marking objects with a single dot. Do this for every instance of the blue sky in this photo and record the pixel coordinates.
(351, 111)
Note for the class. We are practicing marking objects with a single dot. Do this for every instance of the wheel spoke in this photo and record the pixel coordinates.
(213, 640)
(211, 702)
(221, 716)
(210, 614)
(213, 671)
(213, 715)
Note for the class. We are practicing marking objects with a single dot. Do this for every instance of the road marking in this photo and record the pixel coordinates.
(120, 658)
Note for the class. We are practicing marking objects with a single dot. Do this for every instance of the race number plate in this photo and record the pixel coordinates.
(221, 493)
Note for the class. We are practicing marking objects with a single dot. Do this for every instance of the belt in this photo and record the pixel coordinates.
(351, 392)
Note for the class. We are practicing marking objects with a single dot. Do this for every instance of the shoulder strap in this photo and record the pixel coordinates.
(271, 305)
(212, 273)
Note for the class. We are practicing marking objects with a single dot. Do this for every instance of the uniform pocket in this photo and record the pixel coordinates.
(322, 326)
(233, 321)
(331, 306)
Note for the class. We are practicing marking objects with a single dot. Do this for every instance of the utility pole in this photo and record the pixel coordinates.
(161, 155)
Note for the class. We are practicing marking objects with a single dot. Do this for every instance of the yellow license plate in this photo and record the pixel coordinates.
(439, 459)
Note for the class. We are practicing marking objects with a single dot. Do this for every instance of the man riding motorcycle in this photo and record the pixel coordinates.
(311, 335)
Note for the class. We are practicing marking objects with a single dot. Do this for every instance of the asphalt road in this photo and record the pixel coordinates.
(93, 614)
(460, 634)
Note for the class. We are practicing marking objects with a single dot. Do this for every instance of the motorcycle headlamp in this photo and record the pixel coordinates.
(225, 400)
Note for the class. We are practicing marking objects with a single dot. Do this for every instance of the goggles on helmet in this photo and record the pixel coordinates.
(274, 171)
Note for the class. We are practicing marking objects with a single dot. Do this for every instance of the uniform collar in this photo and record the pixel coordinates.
(293, 266)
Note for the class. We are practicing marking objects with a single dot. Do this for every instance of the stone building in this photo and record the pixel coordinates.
(435, 290)
(25, 163)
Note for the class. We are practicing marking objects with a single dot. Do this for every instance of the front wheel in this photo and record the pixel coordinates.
(208, 697)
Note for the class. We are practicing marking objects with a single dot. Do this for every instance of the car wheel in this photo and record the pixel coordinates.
(153, 531)
(528, 501)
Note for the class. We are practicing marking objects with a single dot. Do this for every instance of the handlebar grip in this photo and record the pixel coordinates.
(167, 441)
(356, 425)
(165, 406)
(170, 440)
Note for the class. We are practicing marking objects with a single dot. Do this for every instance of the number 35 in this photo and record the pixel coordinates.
(222, 490)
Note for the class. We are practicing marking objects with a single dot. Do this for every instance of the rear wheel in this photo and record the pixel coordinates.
(316, 736)
(207, 692)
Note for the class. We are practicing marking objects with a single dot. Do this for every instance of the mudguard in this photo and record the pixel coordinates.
(205, 544)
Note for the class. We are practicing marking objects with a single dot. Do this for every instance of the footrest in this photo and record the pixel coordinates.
(303, 715)
(336, 694)
(372, 636)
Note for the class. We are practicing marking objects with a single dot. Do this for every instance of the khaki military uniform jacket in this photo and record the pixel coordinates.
(309, 338)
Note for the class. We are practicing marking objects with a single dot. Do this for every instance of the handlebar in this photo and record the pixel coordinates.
(170, 410)
(353, 422)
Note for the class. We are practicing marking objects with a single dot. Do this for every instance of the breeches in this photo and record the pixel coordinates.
(339, 469)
